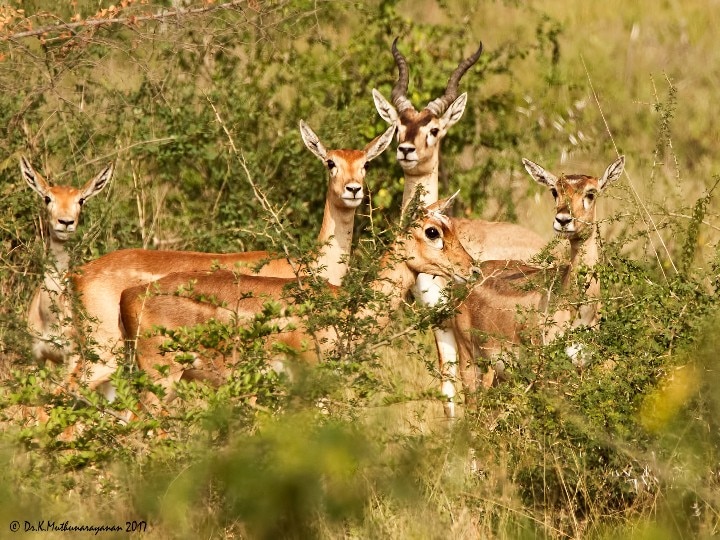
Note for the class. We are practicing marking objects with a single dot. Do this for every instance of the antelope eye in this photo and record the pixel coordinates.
(330, 164)
(367, 165)
(590, 195)
(434, 132)
(47, 199)
(81, 202)
(554, 193)
(432, 233)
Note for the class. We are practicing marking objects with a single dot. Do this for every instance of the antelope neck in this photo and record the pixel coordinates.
(61, 258)
(584, 252)
(428, 181)
(336, 240)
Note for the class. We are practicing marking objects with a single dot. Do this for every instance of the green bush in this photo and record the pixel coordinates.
(200, 113)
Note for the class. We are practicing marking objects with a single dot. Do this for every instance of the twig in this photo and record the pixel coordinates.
(84, 400)
(390, 339)
(140, 200)
(632, 187)
(115, 153)
(684, 216)
(519, 512)
(669, 139)
(259, 195)
(130, 20)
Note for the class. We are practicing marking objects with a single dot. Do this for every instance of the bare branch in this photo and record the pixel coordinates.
(259, 195)
(129, 20)
(644, 214)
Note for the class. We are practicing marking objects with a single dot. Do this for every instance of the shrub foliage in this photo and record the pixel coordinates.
(198, 105)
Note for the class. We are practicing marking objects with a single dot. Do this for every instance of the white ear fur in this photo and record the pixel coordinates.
(312, 141)
(454, 112)
(384, 108)
(33, 179)
(444, 204)
(540, 175)
(95, 186)
(378, 145)
(612, 173)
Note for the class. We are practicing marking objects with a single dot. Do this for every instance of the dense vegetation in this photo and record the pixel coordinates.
(199, 109)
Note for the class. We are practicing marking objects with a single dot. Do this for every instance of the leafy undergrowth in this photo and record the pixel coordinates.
(200, 114)
(627, 446)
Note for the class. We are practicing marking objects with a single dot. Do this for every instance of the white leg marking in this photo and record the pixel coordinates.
(428, 291)
(107, 389)
(472, 462)
(449, 410)
(448, 359)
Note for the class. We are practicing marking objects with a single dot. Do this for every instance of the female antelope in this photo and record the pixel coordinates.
(101, 282)
(487, 319)
(49, 313)
(431, 247)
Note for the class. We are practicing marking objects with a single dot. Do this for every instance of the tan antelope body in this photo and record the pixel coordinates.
(101, 282)
(50, 311)
(431, 247)
(419, 136)
(488, 318)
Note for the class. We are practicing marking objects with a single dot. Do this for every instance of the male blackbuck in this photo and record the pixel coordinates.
(431, 247)
(488, 318)
(101, 282)
(418, 153)
(49, 314)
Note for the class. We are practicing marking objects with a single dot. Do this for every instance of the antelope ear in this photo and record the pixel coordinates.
(378, 145)
(384, 108)
(454, 112)
(443, 205)
(33, 179)
(612, 173)
(312, 141)
(95, 186)
(540, 175)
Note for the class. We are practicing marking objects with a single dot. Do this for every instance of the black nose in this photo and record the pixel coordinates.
(353, 189)
(405, 149)
(563, 219)
(66, 222)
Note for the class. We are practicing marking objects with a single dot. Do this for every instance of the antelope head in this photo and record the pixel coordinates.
(347, 168)
(420, 132)
(575, 196)
(435, 247)
(64, 203)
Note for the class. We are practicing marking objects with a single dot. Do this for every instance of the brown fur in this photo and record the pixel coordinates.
(101, 282)
(50, 311)
(487, 320)
(243, 297)
(419, 138)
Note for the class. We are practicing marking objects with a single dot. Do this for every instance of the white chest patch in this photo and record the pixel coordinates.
(428, 290)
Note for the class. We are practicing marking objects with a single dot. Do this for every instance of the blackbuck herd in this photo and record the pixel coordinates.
(127, 293)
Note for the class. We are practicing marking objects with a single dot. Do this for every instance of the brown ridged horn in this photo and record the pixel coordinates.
(439, 106)
(397, 96)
